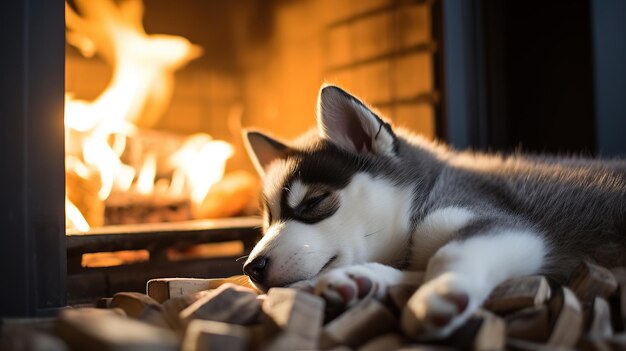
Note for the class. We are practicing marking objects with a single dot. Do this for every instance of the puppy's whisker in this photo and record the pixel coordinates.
(372, 233)
(242, 257)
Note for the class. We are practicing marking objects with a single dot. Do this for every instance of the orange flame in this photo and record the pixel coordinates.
(143, 67)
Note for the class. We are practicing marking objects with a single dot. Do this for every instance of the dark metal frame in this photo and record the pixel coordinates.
(86, 285)
(465, 119)
(609, 35)
(32, 242)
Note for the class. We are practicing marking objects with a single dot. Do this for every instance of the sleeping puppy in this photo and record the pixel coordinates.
(357, 206)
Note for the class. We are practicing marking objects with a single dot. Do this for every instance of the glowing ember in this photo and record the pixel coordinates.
(143, 67)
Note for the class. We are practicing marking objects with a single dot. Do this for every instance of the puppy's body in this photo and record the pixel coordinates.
(360, 200)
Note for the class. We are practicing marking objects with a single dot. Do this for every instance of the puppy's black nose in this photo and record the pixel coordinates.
(255, 269)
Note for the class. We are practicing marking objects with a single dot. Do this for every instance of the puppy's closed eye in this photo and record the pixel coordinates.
(312, 202)
(317, 207)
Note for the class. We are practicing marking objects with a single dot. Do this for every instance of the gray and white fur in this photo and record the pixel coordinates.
(356, 206)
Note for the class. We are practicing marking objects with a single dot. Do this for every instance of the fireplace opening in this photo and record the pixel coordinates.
(157, 95)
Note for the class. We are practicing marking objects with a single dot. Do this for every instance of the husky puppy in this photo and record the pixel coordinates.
(357, 206)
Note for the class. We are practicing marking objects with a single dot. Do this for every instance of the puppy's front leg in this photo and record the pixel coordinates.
(462, 274)
(345, 286)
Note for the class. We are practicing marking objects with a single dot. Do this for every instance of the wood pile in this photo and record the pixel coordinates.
(526, 313)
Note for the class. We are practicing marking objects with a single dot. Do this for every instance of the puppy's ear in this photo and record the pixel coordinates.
(347, 122)
(263, 149)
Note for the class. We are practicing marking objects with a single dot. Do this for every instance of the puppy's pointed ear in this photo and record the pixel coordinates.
(263, 149)
(349, 123)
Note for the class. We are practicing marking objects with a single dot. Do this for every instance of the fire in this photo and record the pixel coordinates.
(138, 93)
(200, 176)
(145, 180)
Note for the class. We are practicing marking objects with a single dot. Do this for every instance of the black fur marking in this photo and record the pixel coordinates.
(326, 164)
(380, 127)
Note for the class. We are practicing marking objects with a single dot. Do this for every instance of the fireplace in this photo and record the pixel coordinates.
(436, 67)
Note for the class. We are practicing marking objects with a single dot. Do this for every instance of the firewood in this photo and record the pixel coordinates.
(297, 316)
(241, 280)
(600, 321)
(426, 347)
(567, 322)
(362, 322)
(26, 338)
(99, 329)
(529, 324)
(613, 343)
(229, 304)
(523, 345)
(104, 302)
(133, 303)
(620, 275)
(492, 332)
(174, 306)
(590, 280)
(140, 306)
(167, 288)
(385, 342)
(518, 293)
(400, 294)
(209, 335)
(618, 342)
(483, 331)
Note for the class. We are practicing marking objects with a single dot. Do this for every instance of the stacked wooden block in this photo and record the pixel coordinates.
(526, 313)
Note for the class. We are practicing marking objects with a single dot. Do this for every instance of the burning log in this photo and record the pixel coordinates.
(235, 194)
(231, 196)
(133, 208)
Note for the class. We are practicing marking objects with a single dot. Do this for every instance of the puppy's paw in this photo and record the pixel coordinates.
(439, 307)
(343, 287)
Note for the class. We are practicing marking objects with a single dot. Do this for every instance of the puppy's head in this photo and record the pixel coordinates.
(316, 198)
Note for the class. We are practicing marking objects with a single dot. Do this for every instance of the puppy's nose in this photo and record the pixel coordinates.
(255, 269)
